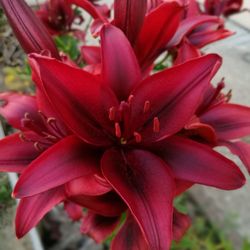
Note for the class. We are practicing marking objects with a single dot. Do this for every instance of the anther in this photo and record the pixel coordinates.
(27, 116)
(37, 146)
(138, 137)
(112, 114)
(123, 141)
(118, 132)
(146, 107)
(156, 125)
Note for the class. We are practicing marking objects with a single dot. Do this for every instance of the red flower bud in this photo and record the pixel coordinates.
(28, 29)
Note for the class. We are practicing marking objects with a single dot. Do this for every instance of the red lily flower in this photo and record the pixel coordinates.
(148, 32)
(218, 122)
(58, 16)
(47, 144)
(196, 32)
(29, 30)
(222, 7)
(125, 116)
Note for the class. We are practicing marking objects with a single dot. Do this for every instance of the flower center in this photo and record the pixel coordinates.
(121, 118)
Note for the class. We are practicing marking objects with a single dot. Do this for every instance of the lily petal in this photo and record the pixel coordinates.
(130, 237)
(66, 160)
(241, 149)
(87, 185)
(91, 54)
(31, 210)
(181, 224)
(109, 204)
(129, 17)
(158, 28)
(230, 121)
(198, 163)
(98, 227)
(186, 51)
(14, 106)
(73, 210)
(190, 24)
(89, 7)
(15, 154)
(172, 98)
(120, 67)
(84, 112)
(146, 185)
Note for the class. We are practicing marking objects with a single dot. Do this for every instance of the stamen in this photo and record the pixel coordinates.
(112, 114)
(130, 99)
(138, 137)
(53, 124)
(228, 95)
(156, 125)
(118, 132)
(146, 107)
(37, 146)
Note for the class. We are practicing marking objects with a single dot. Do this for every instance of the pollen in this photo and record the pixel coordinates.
(123, 141)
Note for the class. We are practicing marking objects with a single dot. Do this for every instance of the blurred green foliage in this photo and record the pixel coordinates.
(5, 192)
(69, 45)
(203, 235)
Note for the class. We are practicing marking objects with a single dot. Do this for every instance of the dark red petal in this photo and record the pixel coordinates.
(190, 24)
(91, 54)
(31, 209)
(229, 121)
(146, 185)
(185, 52)
(66, 160)
(129, 17)
(130, 237)
(120, 67)
(73, 210)
(241, 149)
(28, 28)
(98, 227)
(182, 186)
(202, 131)
(181, 224)
(86, 185)
(158, 28)
(200, 39)
(82, 101)
(89, 7)
(174, 95)
(108, 204)
(199, 163)
(15, 154)
(14, 106)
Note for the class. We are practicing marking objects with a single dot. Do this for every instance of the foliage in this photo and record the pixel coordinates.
(69, 45)
(5, 192)
(203, 234)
